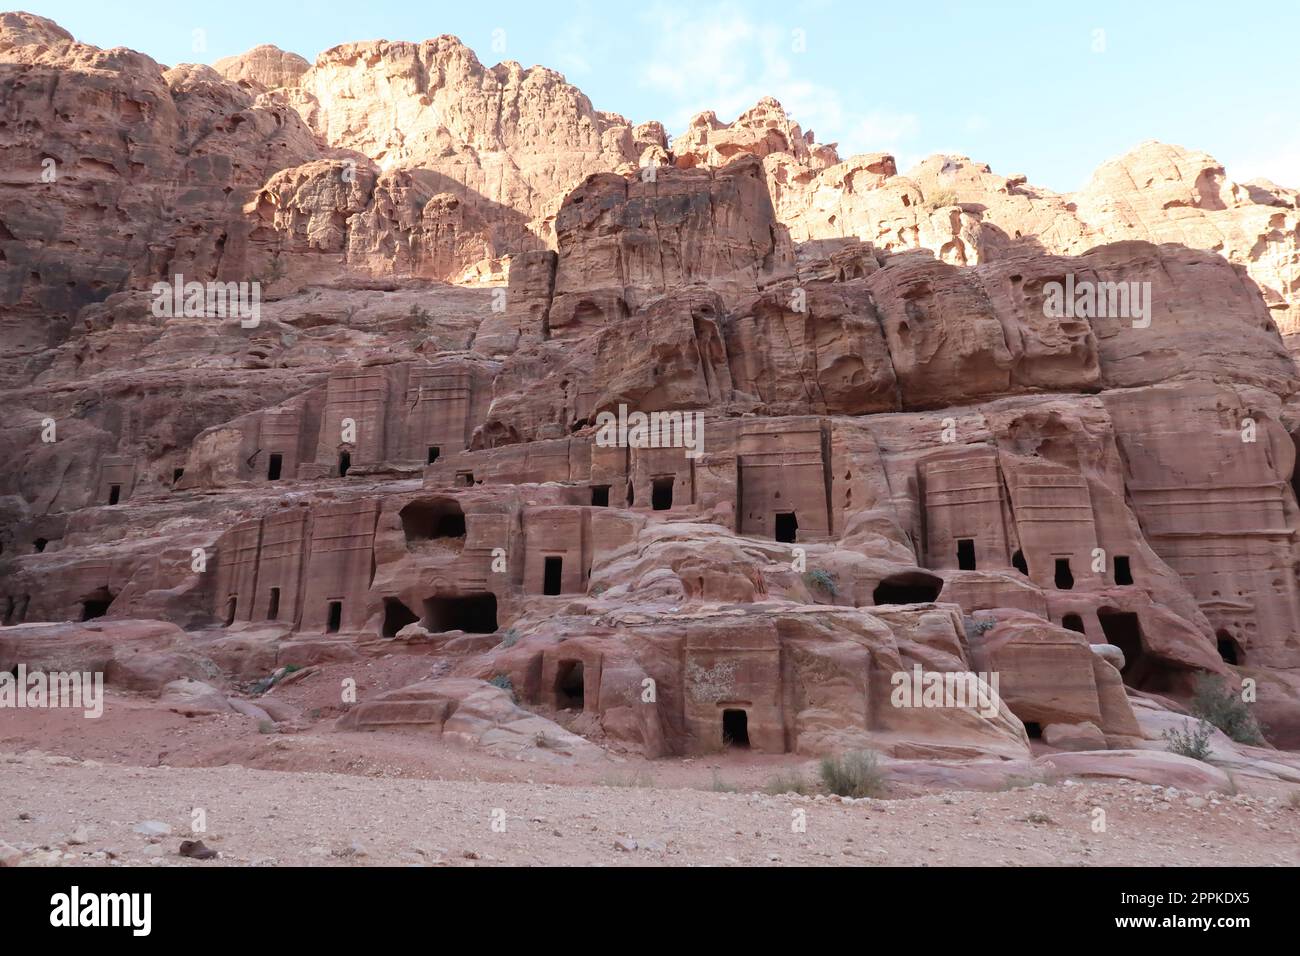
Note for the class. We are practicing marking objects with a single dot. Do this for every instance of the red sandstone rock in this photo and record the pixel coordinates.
(907, 460)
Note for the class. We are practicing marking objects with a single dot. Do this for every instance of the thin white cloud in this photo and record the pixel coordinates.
(1279, 162)
(571, 48)
(719, 58)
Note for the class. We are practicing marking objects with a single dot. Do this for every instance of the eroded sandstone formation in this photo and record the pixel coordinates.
(892, 454)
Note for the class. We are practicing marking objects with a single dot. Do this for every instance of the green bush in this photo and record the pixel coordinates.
(786, 783)
(855, 774)
(1214, 701)
(505, 683)
(941, 200)
(637, 779)
(1191, 742)
(821, 578)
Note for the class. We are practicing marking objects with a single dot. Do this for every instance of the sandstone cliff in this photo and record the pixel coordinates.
(904, 447)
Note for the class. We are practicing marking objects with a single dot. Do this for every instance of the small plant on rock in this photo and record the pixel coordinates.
(823, 580)
(855, 774)
(1215, 702)
(505, 683)
(1191, 741)
(941, 200)
(784, 783)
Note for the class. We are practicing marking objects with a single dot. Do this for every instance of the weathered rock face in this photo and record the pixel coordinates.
(125, 175)
(622, 241)
(1050, 464)
(264, 67)
(1163, 193)
(967, 214)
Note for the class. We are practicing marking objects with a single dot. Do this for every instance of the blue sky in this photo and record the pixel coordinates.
(1046, 89)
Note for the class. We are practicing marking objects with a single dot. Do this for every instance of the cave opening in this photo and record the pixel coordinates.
(436, 518)
(910, 587)
(661, 493)
(96, 604)
(1019, 563)
(335, 619)
(787, 527)
(1229, 648)
(570, 689)
(600, 496)
(114, 494)
(433, 452)
(345, 463)
(273, 467)
(735, 728)
(1123, 571)
(273, 607)
(552, 574)
(473, 614)
(966, 554)
(1064, 577)
(1073, 622)
(396, 616)
(1123, 630)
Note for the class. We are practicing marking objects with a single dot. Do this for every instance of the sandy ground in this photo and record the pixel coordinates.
(75, 792)
(56, 810)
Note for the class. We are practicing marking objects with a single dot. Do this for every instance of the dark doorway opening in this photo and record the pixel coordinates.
(787, 527)
(451, 524)
(1229, 649)
(433, 454)
(273, 606)
(475, 614)
(231, 604)
(600, 496)
(1072, 622)
(1123, 573)
(335, 620)
(631, 494)
(345, 463)
(466, 478)
(1034, 730)
(570, 691)
(661, 493)
(966, 554)
(96, 604)
(396, 616)
(273, 467)
(908, 588)
(439, 518)
(735, 728)
(1064, 579)
(1018, 562)
(114, 494)
(39, 544)
(552, 573)
(177, 474)
(1122, 629)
